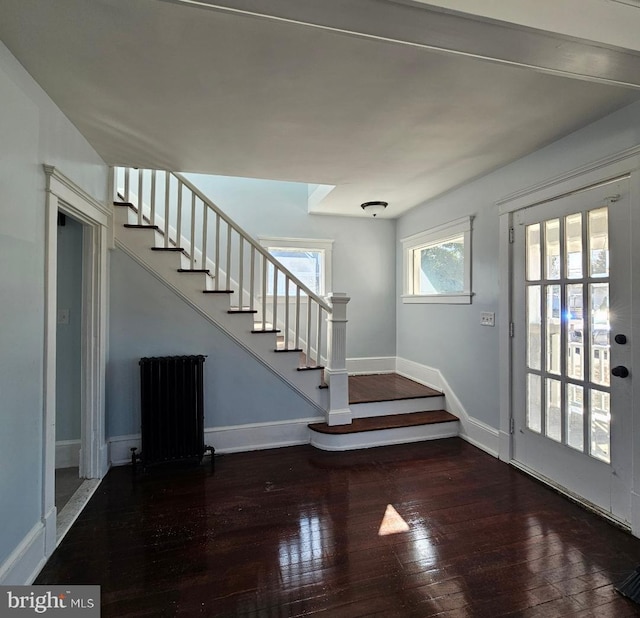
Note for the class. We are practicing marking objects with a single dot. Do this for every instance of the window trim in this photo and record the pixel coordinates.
(432, 236)
(324, 245)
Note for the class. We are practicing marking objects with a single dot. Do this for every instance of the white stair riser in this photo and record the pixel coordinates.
(401, 406)
(383, 437)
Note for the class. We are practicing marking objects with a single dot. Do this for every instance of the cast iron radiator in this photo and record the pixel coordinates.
(172, 410)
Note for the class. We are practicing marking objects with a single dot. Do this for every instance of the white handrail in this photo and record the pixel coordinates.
(253, 242)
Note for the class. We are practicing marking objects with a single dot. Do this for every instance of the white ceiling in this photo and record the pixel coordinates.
(386, 99)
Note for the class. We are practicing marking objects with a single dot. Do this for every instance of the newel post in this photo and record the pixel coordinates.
(335, 373)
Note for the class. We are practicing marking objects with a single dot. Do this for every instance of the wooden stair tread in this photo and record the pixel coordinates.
(143, 226)
(390, 421)
(374, 388)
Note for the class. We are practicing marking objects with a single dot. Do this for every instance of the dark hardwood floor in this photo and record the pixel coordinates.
(296, 532)
(386, 387)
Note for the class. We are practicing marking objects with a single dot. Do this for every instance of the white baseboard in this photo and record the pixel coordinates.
(419, 373)
(24, 563)
(67, 453)
(230, 439)
(257, 436)
(373, 364)
(471, 429)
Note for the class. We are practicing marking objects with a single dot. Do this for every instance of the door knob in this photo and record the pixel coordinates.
(620, 371)
(621, 339)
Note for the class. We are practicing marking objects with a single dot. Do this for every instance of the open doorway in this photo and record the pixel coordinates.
(80, 376)
(68, 359)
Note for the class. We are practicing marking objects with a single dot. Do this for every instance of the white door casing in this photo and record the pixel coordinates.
(62, 195)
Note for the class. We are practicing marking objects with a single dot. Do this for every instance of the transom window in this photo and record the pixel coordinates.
(437, 264)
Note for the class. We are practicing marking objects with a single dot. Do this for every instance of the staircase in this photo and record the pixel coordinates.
(182, 238)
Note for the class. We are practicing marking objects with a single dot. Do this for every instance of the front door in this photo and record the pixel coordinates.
(572, 316)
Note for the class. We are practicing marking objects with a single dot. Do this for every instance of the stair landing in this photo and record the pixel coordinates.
(386, 387)
(387, 409)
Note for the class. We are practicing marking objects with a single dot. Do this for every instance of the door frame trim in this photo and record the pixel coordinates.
(626, 162)
(63, 195)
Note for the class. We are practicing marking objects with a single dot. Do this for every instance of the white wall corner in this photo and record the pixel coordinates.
(505, 451)
(472, 430)
(67, 453)
(50, 522)
(24, 563)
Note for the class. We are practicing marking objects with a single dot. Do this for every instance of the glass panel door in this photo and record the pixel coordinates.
(571, 293)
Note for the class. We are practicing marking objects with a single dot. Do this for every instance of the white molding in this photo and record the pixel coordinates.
(505, 262)
(460, 298)
(72, 509)
(384, 437)
(609, 167)
(635, 513)
(82, 204)
(429, 237)
(365, 365)
(440, 232)
(471, 429)
(419, 373)
(25, 561)
(67, 453)
(231, 438)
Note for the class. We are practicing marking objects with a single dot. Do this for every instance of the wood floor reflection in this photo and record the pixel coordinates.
(433, 528)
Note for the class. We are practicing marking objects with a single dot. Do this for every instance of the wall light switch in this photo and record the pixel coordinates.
(488, 318)
(63, 316)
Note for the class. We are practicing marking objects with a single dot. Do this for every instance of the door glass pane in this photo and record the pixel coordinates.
(600, 430)
(599, 243)
(575, 417)
(534, 323)
(573, 244)
(553, 418)
(533, 252)
(600, 328)
(552, 328)
(575, 343)
(534, 409)
(552, 248)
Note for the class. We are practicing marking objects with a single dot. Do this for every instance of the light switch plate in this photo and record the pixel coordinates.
(488, 318)
(63, 316)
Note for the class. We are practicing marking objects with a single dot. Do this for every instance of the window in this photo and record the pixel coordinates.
(308, 259)
(437, 264)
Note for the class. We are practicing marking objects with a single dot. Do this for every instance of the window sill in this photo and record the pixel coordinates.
(461, 298)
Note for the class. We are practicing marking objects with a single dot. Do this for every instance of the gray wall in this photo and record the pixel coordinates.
(33, 131)
(449, 337)
(363, 250)
(69, 336)
(148, 319)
